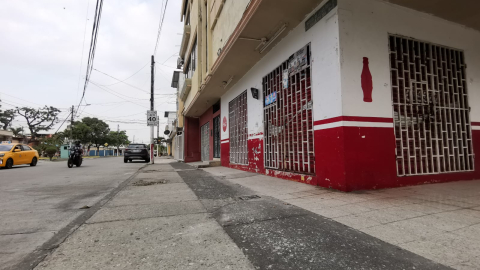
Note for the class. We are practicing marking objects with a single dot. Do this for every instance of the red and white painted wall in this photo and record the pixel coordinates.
(354, 138)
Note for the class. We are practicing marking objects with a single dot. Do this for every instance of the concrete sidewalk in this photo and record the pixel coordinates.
(157, 222)
(440, 222)
(172, 216)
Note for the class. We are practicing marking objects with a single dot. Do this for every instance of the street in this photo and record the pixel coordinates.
(171, 215)
(38, 202)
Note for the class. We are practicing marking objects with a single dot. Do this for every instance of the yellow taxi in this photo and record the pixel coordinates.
(12, 154)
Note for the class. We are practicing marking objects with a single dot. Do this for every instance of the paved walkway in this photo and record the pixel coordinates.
(440, 222)
(172, 216)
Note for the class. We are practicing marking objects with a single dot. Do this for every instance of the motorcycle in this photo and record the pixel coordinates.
(75, 158)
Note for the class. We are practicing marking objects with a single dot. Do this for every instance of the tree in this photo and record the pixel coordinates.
(51, 151)
(17, 131)
(91, 131)
(6, 118)
(39, 119)
(82, 132)
(118, 138)
(55, 141)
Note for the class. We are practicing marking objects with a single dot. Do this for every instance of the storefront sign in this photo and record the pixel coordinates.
(271, 98)
(298, 60)
(285, 79)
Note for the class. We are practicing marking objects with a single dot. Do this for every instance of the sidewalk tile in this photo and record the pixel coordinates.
(417, 227)
(357, 222)
(422, 208)
(401, 212)
(354, 208)
(390, 234)
(319, 202)
(329, 212)
(441, 206)
(380, 216)
(459, 217)
(442, 254)
(472, 232)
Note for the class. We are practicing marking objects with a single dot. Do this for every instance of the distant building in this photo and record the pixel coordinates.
(6, 136)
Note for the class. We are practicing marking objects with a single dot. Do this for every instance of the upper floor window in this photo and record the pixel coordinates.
(192, 62)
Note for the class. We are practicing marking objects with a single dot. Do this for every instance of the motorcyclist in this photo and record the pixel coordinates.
(78, 147)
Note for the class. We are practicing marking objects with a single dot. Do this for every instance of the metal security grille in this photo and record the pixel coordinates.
(237, 109)
(288, 121)
(205, 141)
(216, 137)
(430, 108)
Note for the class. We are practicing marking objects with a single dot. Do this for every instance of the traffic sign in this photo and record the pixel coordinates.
(152, 118)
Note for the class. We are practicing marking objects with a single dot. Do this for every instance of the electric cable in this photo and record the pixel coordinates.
(160, 27)
(93, 46)
(126, 78)
(120, 81)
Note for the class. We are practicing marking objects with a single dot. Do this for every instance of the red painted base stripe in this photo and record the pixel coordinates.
(354, 119)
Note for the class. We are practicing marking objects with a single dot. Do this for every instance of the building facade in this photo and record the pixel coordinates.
(346, 94)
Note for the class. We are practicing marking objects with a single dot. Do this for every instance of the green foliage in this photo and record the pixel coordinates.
(17, 132)
(92, 131)
(82, 132)
(39, 119)
(116, 138)
(54, 142)
(51, 151)
(6, 118)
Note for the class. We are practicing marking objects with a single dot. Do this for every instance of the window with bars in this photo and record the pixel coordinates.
(288, 117)
(237, 110)
(430, 108)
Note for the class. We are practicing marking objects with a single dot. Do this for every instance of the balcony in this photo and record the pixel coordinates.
(263, 25)
(186, 38)
(184, 85)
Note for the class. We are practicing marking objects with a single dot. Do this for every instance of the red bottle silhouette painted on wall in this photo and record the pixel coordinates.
(367, 82)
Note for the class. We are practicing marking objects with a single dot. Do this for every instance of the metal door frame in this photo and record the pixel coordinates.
(430, 108)
(216, 137)
(276, 143)
(238, 129)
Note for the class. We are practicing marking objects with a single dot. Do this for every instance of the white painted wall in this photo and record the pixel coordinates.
(326, 88)
(228, 20)
(364, 29)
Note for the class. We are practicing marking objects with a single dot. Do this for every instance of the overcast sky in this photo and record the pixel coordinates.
(41, 60)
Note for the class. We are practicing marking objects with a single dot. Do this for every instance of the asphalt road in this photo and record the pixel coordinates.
(41, 204)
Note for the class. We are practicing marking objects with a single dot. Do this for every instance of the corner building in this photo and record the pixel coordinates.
(346, 94)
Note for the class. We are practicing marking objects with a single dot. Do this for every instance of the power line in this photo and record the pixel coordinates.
(93, 46)
(20, 99)
(126, 78)
(62, 123)
(83, 48)
(160, 27)
(101, 87)
(120, 81)
(111, 90)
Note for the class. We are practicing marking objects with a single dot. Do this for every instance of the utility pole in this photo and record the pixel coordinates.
(152, 108)
(71, 126)
(158, 137)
